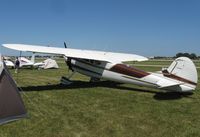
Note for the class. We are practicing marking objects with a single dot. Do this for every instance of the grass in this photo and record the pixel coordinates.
(100, 110)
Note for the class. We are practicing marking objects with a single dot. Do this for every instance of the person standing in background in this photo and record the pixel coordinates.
(17, 64)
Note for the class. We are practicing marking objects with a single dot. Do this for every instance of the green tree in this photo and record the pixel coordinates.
(191, 56)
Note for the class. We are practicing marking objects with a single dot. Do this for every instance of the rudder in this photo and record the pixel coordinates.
(183, 67)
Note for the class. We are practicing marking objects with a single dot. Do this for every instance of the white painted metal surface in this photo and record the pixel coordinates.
(9, 63)
(180, 76)
(77, 53)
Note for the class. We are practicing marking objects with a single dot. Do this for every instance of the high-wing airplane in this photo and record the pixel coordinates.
(24, 62)
(180, 76)
(9, 63)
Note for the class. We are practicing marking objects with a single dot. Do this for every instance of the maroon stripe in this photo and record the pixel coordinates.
(129, 70)
(172, 76)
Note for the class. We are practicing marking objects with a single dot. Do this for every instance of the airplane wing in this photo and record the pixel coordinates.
(77, 53)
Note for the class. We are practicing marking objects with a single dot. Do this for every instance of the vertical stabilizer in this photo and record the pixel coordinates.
(183, 70)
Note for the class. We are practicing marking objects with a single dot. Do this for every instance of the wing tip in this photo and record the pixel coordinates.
(8, 45)
(13, 46)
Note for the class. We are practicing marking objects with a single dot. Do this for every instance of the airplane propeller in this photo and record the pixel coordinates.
(65, 44)
(68, 60)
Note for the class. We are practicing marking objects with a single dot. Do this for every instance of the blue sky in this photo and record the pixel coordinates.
(145, 27)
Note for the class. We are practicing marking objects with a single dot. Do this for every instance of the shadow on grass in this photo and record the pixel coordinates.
(107, 84)
(171, 95)
(82, 84)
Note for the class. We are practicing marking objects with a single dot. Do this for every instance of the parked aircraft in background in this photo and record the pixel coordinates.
(46, 64)
(9, 63)
(24, 62)
(180, 76)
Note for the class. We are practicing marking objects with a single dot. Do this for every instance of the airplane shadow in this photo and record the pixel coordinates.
(107, 84)
(171, 95)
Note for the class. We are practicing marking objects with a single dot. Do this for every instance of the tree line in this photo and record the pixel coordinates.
(180, 54)
(189, 55)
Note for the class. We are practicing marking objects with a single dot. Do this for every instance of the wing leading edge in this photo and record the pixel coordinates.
(77, 53)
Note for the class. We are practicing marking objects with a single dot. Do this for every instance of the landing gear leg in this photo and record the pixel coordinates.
(71, 75)
(67, 81)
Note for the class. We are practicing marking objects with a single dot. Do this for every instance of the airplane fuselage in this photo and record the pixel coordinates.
(124, 73)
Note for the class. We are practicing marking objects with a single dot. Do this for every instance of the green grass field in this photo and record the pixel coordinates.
(104, 109)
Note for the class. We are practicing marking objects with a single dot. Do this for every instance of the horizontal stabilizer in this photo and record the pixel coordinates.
(167, 83)
(170, 85)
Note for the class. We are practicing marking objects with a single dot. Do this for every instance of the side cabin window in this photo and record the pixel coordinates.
(94, 62)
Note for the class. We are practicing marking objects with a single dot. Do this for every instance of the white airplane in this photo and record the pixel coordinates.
(9, 63)
(180, 76)
(24, 62)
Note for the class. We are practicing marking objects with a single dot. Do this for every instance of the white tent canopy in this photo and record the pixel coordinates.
(49, 64)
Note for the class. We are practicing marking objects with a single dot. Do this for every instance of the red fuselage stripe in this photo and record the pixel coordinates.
(129, 70)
